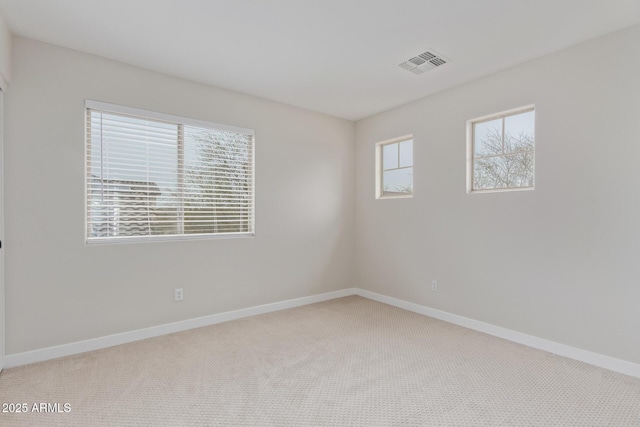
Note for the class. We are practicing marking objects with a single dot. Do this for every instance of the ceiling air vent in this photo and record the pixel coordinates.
(424, 62)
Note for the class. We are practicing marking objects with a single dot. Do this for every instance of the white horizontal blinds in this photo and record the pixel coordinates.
(218, 181)
(132, 169)
(148, 177)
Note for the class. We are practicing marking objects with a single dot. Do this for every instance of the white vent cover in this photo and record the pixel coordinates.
(424, 62)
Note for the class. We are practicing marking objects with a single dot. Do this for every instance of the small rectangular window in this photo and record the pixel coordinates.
(501, 151)
(394, 168)
(152, 176)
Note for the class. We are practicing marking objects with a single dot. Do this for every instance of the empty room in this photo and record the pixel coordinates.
(327, 213)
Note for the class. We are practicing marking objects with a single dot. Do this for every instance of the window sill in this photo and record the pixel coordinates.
(404, 196)
(501, 190)
(156, 239)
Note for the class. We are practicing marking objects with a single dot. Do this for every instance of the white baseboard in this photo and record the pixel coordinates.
(607, 362)
(596, 359)
(49, 353)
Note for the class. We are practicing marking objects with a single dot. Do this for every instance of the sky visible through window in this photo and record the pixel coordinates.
(397, 168)
(151, 155)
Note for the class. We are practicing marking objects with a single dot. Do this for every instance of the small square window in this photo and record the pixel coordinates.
(394, 168)
(501, 151)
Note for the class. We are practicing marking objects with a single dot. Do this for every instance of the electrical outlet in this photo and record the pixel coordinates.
(178, 294)
(434, 285)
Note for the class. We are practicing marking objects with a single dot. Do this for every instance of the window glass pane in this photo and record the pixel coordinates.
(520, 169)
(390, 156)
(519, 134)
(514, 170)
(488, 173)
(216, 163)
(398, 181)
(487, 138)
(133, 169)
(406, 153)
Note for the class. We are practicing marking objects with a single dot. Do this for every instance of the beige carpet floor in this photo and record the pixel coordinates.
(345, 362)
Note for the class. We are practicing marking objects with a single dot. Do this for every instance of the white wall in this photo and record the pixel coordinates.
(6, 41)
(59, 290)
(560, 262)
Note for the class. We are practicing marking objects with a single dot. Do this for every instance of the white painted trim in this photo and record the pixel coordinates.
(596, 359)
(600, 360)
(49, 353)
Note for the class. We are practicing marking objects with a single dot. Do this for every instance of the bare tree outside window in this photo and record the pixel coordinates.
(503, 151)
(217, 182)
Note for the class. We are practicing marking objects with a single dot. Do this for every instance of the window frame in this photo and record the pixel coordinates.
(379, 181)
(179, 121)
(471, 149)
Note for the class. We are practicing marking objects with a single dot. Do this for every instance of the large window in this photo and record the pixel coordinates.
(501, 151)
(153, 176)
(394, 168)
